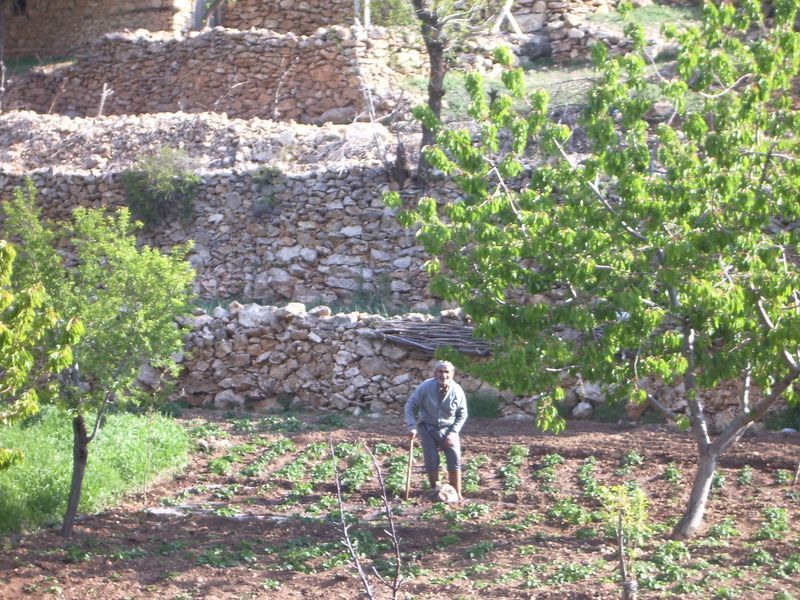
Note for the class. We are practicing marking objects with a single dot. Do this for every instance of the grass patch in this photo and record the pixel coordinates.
(17, 66)
(129, 451)
(654, 16)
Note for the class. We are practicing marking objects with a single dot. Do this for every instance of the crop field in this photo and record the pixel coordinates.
(256, 514)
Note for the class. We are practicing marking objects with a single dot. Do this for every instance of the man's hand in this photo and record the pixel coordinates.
(412, 434)
(448, 440)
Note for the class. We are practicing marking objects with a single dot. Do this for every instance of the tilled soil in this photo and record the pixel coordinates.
(274, 531)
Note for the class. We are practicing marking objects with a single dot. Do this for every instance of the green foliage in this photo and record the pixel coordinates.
(35, 344)
(672, 474)
(775, 524)
(510, 471)
(131, 452)
(629, 232)
(126, 297)
(483, 406)
(160, 186)
(745, 475)
(392, 13)
(661, 253)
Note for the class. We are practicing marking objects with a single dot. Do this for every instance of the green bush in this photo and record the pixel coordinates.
(483, 405)
(160, 186)
(129, 451)
(392, 13)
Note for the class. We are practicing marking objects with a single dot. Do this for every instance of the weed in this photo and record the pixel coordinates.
(480, 550)
(160, 186)
(783, 477)
(483, 405)
(331, 421)
(672, 474)
(131, 450)
(774, 526)
(745, 475)
(566, 512)
(726, 528)
(717, 481)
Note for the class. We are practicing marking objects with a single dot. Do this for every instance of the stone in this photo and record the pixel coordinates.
(227, 399)
(582, 410)
(253, 315)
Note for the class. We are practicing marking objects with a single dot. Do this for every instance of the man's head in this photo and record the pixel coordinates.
(444, 374)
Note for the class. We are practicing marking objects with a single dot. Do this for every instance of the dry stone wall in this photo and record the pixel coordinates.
(302, 17)
(57, 28)
(255, 357)
(244, 74)
(263, 357)
(313, 231)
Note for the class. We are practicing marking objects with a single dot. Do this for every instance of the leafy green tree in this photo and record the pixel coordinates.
(126, 297)
(34, 345)
(665, 251)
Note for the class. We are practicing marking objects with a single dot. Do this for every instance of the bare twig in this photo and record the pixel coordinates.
(107, 91)
(398, 579)
(348, 543)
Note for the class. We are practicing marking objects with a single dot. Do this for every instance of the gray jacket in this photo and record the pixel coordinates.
(448, 414)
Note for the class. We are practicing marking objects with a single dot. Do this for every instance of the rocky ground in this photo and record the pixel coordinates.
(255, 515)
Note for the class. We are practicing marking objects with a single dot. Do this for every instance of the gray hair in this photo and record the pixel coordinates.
(447, 364)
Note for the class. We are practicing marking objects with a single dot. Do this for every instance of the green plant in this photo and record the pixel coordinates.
(783, 477)
(745, 475)
(480, 550)
(759, 557)
(485, 406)
(629, 460)
(470, 474)
(510, 471)
(724, 529)
(160, 186)
(775, 524)
(565, 511)
(672, 474)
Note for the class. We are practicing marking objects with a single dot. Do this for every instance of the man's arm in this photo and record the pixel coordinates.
(412, 406)
(461, 411)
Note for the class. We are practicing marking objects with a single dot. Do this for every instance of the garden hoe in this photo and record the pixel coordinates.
(410, 461)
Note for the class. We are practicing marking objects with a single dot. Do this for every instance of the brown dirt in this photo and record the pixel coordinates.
(498, 545)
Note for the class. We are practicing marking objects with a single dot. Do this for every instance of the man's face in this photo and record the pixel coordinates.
(444, 376)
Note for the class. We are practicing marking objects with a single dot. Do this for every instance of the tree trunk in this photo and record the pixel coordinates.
(701, 486)
(435, 42)
(80, 457)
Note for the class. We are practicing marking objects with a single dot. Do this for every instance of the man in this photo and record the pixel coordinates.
(437, 411)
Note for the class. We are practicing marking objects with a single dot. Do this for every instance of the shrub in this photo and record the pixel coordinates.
(483, 405)
(160, 186)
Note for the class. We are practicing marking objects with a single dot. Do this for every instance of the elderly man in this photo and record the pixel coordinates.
(437, 411)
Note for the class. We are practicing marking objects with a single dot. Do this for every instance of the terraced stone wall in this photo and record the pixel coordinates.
(320, 236)
(57, 28)
(244, 74)
(302, 17)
